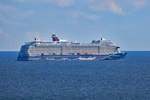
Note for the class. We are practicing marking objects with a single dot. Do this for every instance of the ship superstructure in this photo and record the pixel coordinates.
(61, 49)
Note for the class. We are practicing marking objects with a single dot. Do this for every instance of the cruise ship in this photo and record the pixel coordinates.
(57, 49)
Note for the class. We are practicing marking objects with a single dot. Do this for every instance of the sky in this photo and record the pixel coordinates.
(125, 22)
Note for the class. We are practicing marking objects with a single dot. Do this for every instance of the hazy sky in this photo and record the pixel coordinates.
(126, 22)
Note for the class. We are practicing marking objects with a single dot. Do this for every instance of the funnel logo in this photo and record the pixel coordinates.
(55, 38)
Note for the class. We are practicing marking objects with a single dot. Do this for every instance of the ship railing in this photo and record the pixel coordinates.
(41, 43)
(65, 44)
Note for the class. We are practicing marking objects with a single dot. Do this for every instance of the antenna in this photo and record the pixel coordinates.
(36, 36)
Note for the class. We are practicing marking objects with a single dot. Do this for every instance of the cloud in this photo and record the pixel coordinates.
(114, 7)
(4, 35)
(6, 12)
(12, 15)
(63, 3)
(6, 40)
(105, 5)
(1, 31)
(19, 0)
(76, 14)
(92, 17)
(80, 14)
(6, 8)
(139, 3)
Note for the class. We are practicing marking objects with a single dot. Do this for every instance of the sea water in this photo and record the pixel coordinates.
(125, 79)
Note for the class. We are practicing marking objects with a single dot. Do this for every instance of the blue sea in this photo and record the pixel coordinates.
(126, 79)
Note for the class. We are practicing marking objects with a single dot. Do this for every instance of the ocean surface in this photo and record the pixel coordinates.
(126, 79)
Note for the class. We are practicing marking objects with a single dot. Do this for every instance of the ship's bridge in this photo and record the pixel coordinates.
(104, 42)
